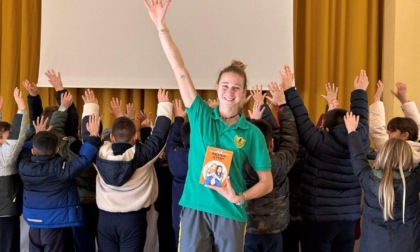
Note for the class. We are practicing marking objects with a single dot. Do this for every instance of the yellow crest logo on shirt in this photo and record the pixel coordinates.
(239, 141)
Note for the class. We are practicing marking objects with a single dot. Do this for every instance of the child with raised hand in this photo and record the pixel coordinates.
(391, 212)
(269, 215)
(177, 149)
(406, 128)
(332, 102)
(51, 203)
(331, 194)
(84, 236)
(126, 184)
(72, 123)
(214, 217)
(12, 138)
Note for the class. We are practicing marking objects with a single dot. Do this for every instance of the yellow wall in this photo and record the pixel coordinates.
(401, 55)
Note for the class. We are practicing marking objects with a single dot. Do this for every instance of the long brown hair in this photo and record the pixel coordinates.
(395, 155)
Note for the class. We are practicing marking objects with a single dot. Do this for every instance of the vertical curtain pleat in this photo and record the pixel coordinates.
(333, 40)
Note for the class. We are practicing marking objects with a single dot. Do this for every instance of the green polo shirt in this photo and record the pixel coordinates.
(243, 138)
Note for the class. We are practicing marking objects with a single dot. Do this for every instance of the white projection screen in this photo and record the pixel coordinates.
(114, 44)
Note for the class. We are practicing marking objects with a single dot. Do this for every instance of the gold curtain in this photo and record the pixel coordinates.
(333, 40)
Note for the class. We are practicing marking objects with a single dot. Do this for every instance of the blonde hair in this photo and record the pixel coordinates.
(395, 155)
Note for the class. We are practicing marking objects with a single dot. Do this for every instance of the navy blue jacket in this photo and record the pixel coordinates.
(50, 198)
(330, 190)
(391, 235)
(177, 156)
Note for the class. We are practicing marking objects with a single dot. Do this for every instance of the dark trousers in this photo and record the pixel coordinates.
(122, 231)
(292, 236)
(163, 205)
(263, 242)
(10, 233)
(50, 239)
(328, 236)
(84, 236)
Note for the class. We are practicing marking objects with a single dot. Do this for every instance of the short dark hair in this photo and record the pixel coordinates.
(45, 143)
(185, 134)
(123, 129)
(333, 118)
(4, 126)
(404, 124)
(48, 111)
(265, 129)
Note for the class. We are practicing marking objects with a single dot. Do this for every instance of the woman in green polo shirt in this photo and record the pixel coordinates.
(214, 217)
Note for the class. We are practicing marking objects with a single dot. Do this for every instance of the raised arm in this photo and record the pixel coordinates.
(408, 107)
(331, 96)
(157, 13)
(377, 121)
(72, 125)
(34, 103)
(90, 107)
(59, 118)
(14, 142)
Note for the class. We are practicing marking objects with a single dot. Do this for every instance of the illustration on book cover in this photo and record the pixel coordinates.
(216, 166)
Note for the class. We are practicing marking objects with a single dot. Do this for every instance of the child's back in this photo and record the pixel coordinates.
(391, 217)
(126, 184)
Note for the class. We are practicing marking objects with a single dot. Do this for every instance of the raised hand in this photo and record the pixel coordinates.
(66, 100)
(257, 111)
(245, 99)
(89, 97)
(361, 81)
(379, 91)
(163, 95)
(41, 124)
(257, 94)
(32, 88)
(277, 94)
(401, 93)
(55, 79)
(131, 111)
(332, 92)
(351, 121)
(287, 77)
(93, 125)
(157, 11)
(115, 107)
(17, 94)
(144, 119)
(179, 110)
(212, 103)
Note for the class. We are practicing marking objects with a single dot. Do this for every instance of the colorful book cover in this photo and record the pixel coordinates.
(216, 166)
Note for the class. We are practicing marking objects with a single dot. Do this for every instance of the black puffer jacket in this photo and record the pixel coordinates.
(330, 190)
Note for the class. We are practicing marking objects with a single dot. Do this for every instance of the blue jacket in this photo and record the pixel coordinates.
(391, 235)
(177, 157)
(50, 198)
(330, 190)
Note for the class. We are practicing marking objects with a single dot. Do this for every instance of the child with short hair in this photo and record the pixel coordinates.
(12, 138)
(406, 128)
(51, 203)
(269, 215)
(331, 193)
(126, 184)
(391, 212)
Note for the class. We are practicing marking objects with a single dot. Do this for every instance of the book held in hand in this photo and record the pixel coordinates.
(216, 166)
